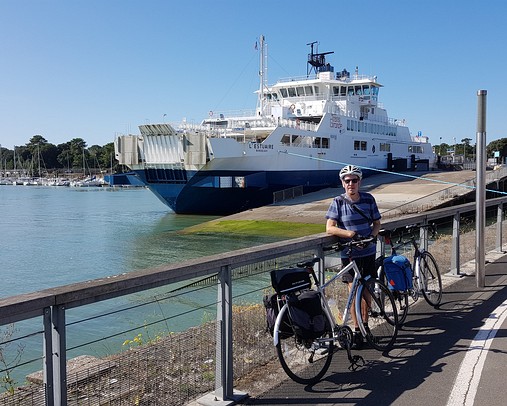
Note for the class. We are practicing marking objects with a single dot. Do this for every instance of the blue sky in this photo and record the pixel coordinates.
(92, 69)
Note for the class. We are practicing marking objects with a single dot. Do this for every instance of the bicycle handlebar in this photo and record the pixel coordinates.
(357, 241)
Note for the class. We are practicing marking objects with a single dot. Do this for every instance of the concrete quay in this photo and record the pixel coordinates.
(393, 192)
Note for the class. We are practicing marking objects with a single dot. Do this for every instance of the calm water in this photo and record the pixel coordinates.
(56, 236)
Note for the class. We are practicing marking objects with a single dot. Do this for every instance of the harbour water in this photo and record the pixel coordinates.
(54, 236)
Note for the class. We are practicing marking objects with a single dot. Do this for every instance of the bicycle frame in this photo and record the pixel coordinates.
(355, 291)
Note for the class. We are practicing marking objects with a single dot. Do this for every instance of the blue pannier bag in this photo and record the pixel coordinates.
(398, 272)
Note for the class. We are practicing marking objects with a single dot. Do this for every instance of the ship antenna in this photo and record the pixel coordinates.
(316, 61)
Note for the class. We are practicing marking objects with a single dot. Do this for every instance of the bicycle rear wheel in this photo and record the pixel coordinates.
(306, 361)
(381, 321)
(430, 279)
(400, 298)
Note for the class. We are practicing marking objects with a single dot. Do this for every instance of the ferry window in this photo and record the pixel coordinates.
(336, 90)
(286, 139)
(225, 181)
(366, 89)
(325, 142)
(283, 92)
(385, 147)
(416, 149)
(374, 91)
(316, 88)
(239, 181)
(350, 91)
(360, 145)
(309, 90)
(358, 90)
(300, 91)
(292, 92)
(343, 91)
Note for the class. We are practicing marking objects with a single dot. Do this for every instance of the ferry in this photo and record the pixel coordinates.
(302, 132)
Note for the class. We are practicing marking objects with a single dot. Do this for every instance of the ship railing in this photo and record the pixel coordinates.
(299, 124)
(352, 78)
(287, 194)
(180, 367)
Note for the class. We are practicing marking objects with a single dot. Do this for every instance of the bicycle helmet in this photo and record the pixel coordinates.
(351, 170)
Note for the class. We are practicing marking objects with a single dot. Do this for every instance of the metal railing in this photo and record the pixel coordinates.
(52, 306)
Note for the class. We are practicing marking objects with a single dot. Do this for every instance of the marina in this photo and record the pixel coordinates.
(303, 130)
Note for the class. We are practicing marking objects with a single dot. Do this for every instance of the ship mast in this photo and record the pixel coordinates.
(263, 73)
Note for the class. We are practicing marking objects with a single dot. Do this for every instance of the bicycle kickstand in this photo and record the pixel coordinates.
(356, 361)
(345, 340)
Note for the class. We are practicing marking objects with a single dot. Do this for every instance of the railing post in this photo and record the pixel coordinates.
(499, 225)
(55, 348)
(224, 366)
(224, 372)
(455, 262)
(423, 237)
(48, 358)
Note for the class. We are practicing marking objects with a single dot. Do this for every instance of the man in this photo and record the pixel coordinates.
(350, 215)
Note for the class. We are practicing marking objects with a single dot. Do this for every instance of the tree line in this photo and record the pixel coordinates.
(70, 157)
(468, 150)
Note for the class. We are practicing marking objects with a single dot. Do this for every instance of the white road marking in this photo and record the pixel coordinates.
(469, 374)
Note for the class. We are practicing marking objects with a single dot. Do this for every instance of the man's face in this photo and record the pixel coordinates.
(351, 184)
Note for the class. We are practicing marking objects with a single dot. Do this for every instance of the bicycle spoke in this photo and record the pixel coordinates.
(381, 320)
(306, 361)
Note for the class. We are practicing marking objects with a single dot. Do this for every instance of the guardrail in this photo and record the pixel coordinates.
(52, 305)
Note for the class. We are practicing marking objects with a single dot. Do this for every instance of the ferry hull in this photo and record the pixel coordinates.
(203, 193)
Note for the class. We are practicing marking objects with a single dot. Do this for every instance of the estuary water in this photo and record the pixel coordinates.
(54, 236)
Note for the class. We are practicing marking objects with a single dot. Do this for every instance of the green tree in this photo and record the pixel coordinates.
(77, 154)
(497, 145)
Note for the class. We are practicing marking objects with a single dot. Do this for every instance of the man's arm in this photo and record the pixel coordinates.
(333, 229)
(376, 228)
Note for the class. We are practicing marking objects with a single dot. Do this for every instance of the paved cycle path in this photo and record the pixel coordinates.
(453, 355)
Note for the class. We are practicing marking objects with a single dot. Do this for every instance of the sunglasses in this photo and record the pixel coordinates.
(347, 181)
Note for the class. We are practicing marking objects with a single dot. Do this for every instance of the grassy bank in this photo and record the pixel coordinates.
(257, 227)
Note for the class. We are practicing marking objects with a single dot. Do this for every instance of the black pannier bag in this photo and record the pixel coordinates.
(272, 310)
(307, 315)
(290, 280)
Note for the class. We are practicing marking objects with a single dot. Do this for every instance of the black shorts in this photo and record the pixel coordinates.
(366, 266)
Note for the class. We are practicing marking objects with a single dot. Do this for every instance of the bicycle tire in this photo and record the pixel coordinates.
(306, 361)
(400, 298)
(382, 315)
(431, 280)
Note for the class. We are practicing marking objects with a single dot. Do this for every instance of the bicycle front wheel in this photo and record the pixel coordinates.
(431, 280)
(378, 314)
(306, 361)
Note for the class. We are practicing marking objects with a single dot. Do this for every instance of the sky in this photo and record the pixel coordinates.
(94, 69)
